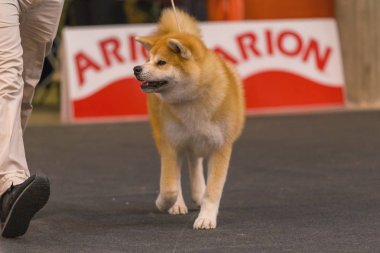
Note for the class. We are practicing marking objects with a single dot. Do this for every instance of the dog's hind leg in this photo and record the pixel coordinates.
(217, 173)
(197, 179)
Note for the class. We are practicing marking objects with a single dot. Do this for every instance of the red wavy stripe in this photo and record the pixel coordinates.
(272, 89)
(118, 99)
(279, 89)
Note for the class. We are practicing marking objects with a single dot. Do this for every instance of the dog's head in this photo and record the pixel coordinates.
(173, 67)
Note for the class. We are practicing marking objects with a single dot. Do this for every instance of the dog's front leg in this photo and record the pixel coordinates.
(170, 169)
(179, 206)
(217, 173)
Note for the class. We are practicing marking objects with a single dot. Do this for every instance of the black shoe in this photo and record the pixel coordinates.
(20, 203)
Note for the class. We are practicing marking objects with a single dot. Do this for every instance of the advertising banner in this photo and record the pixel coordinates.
(284, 64)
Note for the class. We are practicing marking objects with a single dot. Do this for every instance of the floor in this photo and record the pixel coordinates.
(301, 183)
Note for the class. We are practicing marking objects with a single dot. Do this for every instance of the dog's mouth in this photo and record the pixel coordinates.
(152, 86)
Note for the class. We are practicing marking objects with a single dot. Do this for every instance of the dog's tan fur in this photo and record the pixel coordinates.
(197, 114)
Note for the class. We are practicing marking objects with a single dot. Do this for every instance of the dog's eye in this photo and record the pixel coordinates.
(161, 62)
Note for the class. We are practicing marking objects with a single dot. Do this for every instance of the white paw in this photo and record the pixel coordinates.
(204, 223)
(178, 208)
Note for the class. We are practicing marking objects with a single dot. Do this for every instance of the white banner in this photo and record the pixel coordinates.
(284, 63)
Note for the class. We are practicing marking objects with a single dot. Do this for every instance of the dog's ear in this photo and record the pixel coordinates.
(179, 48)
(147, 42)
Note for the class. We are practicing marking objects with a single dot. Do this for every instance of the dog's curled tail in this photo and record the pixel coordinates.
(168, 23)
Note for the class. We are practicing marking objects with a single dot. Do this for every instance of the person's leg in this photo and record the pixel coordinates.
(24, 42)
(38, 27)
(13, 166)
(35, 33)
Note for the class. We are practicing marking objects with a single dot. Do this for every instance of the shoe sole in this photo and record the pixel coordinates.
(30, 201)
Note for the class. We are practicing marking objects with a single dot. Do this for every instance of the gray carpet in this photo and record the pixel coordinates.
(296, 184)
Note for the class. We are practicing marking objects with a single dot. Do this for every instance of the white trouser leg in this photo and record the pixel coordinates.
(13, 167)
(38, 27)
(29, 26)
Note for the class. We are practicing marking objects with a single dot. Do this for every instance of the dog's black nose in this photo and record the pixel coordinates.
(137, 70)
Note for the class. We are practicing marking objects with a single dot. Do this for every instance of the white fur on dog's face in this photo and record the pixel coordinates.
(177, 86)
(154, 71)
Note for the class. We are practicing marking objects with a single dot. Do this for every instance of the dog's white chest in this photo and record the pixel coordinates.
(197, 136)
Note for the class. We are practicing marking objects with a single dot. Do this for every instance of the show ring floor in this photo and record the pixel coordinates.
(296, 184)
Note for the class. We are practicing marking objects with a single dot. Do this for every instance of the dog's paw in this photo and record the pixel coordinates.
(165, 202)
(204, 223)
(178, 208)
(197, 198)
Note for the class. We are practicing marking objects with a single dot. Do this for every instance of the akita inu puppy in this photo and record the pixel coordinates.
(196, 106)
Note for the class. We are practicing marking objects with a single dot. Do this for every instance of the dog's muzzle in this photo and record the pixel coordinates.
(137, 70)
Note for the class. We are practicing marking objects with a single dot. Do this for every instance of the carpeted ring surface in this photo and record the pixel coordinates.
(306, 183)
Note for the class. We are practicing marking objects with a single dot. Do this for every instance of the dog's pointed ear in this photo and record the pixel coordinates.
(179, 48)
(147, 42)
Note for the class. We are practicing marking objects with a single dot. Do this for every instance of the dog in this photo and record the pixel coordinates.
(196, 108)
